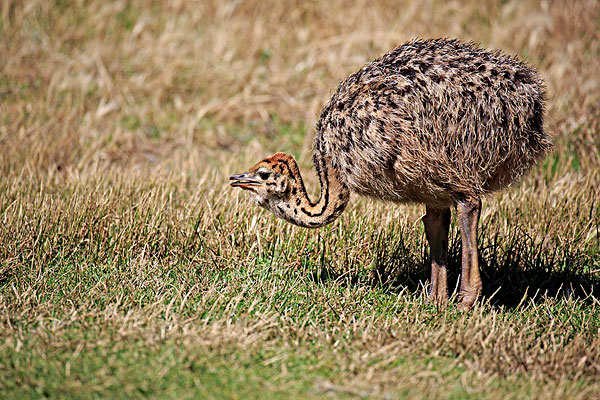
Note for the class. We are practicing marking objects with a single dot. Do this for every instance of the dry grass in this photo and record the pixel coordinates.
(129, 268)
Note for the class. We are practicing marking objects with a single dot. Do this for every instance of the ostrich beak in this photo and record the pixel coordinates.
(245, 180)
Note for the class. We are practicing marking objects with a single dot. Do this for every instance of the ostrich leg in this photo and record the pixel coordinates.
(437, 225)
(470, 281)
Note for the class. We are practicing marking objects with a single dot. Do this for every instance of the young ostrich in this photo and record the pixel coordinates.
(438, 122)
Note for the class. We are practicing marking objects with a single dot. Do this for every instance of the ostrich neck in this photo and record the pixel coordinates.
(332, 200)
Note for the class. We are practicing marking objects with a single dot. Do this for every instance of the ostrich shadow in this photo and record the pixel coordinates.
(513, 268)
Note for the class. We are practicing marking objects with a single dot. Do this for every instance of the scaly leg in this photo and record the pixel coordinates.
(437, 225)
(469, 210)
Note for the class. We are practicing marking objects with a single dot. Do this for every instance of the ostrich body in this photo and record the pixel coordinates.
(438, 122)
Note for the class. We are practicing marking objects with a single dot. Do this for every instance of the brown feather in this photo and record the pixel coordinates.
(433, 121)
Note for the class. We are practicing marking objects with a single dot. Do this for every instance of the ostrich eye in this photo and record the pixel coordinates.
(264, 175)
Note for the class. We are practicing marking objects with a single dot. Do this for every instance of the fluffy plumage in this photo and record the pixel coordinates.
(434, 120)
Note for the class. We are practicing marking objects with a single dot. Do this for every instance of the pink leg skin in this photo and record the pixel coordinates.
(469, 210)
(437, 225)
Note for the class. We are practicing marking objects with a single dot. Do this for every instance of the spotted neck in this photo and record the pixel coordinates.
(297, 207)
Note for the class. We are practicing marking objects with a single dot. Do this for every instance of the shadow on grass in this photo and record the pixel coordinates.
(512, 268)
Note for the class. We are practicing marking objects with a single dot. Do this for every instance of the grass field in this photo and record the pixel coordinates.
(129, 268)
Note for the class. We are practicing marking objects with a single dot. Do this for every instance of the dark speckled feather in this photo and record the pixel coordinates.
(433, 121)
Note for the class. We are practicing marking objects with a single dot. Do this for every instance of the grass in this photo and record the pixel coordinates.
(129, 268)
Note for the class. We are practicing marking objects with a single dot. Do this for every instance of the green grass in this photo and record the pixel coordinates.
(123, 300)
(176, 369)
(267, 331)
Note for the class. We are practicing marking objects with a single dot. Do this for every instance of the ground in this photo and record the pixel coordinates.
(129, 268)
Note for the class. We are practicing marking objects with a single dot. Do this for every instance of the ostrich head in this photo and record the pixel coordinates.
(268, 182)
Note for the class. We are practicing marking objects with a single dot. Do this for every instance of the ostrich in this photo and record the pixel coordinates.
(438, 122)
